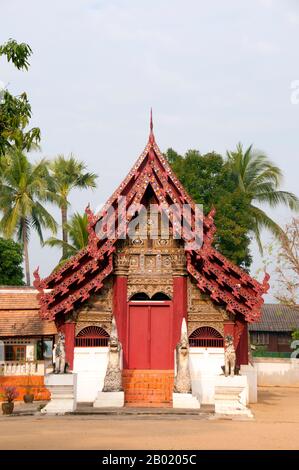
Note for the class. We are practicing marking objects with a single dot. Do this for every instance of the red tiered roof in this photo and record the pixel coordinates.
(84, 273)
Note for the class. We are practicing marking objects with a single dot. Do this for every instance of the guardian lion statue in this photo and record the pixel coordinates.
(113, 377)
(229, 356)
(60, 355)
(182, 382)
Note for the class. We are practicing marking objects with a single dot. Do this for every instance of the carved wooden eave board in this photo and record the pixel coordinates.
(83, 275)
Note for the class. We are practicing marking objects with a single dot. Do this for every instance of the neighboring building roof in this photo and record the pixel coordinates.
(277, 317)
(26, 298)
(19, 313)
(82, 275)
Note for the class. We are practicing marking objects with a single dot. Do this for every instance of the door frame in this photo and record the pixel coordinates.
(147, 303)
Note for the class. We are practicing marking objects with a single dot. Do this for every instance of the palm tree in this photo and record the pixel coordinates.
(23, 189)
(260, 179)
(66, 174)
(78, 234)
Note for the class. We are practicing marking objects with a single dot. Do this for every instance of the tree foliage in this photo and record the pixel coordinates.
(11, 259)
(23, 190)
(66, 174)
(283, 254)
(15, 111)
(260, 179)
(78, 235)
(209, 182)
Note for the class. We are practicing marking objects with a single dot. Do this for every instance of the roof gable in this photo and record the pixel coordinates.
(83, 274)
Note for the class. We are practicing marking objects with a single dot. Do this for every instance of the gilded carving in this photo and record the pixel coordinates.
(193, 325)
(81, 325)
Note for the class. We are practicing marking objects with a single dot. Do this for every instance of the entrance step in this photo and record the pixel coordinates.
(148, 388)
(86, 409)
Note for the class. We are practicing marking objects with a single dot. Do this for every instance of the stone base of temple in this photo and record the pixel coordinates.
(109, 400)
(63, 389)
(231, 396)
(148, 388)
(185, 400)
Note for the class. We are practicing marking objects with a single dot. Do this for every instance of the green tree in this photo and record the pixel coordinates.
(209, 182)
(78, 234)
(15, 111)
(259, 179)
(11, 259)
(24, 187)
(68, 173)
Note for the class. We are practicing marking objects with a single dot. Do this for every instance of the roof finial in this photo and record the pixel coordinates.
(151, 136)
(151, 121)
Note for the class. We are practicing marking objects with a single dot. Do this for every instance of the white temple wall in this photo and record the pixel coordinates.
(90, 365)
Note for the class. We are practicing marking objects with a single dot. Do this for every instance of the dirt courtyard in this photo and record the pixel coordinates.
(276, 426)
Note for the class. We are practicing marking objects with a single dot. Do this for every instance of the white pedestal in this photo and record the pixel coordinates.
(251, 374)
(231, 396)
(185, 400)
(109, 399)
(63, 389)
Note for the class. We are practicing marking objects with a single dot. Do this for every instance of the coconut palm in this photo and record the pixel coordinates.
(78, 235)
(68, 173)
(23, 189)
(260, 179)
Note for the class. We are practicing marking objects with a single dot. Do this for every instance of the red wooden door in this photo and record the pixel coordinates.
(150, 335)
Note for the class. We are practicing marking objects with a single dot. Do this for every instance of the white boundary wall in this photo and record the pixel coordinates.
(283, 372)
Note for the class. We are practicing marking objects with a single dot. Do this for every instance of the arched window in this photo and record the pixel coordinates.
(160, 296)
(143, 296)
(92, 337)
(206, 337)
(140, 296)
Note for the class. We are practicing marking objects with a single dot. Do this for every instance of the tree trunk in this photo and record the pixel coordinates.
(64, 231)
(26, 256)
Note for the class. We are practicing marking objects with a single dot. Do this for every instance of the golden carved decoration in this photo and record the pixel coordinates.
(193, 325)
(81, 325)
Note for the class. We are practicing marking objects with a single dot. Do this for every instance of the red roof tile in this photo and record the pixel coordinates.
(19, 314)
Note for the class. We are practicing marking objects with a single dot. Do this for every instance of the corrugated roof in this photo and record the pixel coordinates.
(277, 317)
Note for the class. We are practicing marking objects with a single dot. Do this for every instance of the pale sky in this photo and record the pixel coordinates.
(215, 73)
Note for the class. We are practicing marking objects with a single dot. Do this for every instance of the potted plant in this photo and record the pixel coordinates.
(28, 397)
(10, 393)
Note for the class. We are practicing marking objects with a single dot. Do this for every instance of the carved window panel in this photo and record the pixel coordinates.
(206, 337)
(91, 337)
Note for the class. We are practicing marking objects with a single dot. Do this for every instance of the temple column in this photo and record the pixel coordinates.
(69, 332)
(120, 301)
(242, 349)
(179, 306)
(120, 305)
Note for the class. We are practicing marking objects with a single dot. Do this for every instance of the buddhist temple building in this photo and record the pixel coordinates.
(149, 283)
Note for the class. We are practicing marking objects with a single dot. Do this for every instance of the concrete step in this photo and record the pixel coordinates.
(87, 409)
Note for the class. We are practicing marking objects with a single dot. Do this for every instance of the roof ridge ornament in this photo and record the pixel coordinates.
(151, 136)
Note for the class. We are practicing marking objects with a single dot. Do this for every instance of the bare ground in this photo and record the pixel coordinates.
(276, 426)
